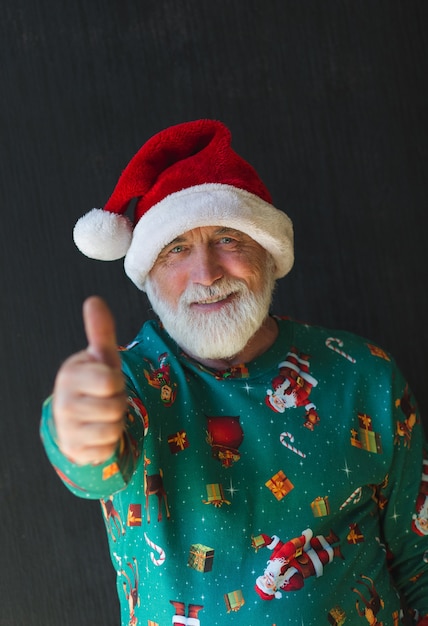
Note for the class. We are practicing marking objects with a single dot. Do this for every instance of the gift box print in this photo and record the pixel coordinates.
(279, 485)
(201, 557)
(320, 506)
(337, 616)
(178, 441)
(234, 600)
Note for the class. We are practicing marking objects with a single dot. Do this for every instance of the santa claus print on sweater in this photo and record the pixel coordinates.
(420, 518)
(294, 561)
(292, 387)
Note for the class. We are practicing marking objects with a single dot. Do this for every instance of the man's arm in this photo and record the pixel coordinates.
(89, 400)
(84, 426)
(405, 527)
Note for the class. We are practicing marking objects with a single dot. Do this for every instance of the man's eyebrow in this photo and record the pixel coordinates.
(178, 239)
(172, 243)
(221, 231)
(226, 229)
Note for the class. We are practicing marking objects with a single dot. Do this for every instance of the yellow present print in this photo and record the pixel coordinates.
(320, 506)
(279, 485)
(234, 600)
(258, 542)
(337, 616)
(215, 495)
(365, 437)
(201, 557)
(110, 470)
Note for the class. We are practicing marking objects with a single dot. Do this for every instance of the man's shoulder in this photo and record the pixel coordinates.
(348, 344)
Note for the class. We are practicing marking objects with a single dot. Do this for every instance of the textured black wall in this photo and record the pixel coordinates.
(327, 99)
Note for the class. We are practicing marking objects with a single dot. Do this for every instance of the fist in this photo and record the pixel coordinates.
(89, 400)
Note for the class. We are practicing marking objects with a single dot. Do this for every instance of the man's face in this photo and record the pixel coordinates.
(212, 288)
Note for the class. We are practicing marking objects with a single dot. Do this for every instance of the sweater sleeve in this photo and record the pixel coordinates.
(405, 516)
(101, 480)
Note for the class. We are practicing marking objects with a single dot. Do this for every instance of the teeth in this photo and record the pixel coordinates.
(212, 300)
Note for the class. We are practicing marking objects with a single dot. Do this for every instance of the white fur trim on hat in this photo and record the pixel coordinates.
(211, 204)
(273, 543)
(103, 235)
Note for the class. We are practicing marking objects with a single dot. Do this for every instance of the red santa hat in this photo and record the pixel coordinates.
(184, 177)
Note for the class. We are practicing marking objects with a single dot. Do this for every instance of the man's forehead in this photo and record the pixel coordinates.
(212, 230)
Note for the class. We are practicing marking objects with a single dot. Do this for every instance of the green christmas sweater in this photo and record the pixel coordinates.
(289, 490)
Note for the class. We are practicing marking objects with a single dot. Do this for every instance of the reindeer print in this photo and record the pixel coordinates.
(153, 486)
(112, 519)
(377, 496)
(373, 605)
(404, 429)
(131, 591)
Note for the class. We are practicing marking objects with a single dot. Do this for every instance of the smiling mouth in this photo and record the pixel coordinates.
(212, 300)
(215, 300)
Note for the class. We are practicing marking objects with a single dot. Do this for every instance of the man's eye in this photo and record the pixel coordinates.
(176, 249)
(227, 240)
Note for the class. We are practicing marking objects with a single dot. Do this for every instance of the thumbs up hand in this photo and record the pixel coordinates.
(89, 400)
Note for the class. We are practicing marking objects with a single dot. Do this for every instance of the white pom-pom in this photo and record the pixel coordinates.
(103, 235)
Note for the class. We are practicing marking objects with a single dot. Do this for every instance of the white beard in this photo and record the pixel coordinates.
(217, 334)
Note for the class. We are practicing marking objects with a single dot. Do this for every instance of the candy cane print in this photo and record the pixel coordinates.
(283, 437)
(355, 497)
(331, 340)
(159, 550)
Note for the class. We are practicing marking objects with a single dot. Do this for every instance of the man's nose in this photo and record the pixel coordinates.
(206, 268)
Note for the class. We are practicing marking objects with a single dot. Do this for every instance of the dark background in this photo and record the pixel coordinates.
(327, 99)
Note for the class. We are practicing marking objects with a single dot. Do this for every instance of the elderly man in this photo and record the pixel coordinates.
(224, 438)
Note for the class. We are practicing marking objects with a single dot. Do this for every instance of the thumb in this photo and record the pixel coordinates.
(100, 331)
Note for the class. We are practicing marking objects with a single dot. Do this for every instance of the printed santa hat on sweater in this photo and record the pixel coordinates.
(184, 177)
